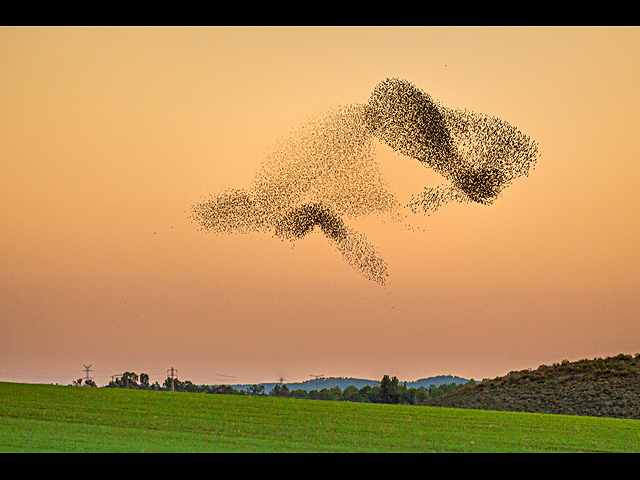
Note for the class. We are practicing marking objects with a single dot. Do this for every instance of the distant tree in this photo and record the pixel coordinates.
(421, 395)
(390, 390)
(279, 391)
(87, 383)
(335, 393)
(224, 390)
(365, 393)
(351, 394)
(190, 387)
(299, 393)
(129, 380)
(407, 396)
(177, 384)
(255, 390)
(375, 394)
(144, 381)
(324, 394)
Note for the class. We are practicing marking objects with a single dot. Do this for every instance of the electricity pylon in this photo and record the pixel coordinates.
(317, 377)
(172, 376)
(86, 370)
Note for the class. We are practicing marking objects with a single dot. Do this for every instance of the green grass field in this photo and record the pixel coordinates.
(48, 418)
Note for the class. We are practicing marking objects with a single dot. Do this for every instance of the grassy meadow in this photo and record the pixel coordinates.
(50, 418)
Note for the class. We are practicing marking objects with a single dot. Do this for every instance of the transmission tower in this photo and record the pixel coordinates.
(86, 370)
(173, 375)
(317, 377)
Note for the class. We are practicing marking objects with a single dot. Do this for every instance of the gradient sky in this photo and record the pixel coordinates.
(109, 135)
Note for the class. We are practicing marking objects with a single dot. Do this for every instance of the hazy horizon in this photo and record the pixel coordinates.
(110, 135)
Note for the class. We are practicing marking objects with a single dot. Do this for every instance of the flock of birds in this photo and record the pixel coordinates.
(324, 172)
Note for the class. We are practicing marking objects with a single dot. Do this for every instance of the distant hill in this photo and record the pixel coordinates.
(608, 387)
(437, 381)
(344, 382)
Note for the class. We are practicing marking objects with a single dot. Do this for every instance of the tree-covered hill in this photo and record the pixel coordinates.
(608, 387)
(344, 382)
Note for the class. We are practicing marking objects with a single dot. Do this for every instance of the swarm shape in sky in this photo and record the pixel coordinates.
(324, 172)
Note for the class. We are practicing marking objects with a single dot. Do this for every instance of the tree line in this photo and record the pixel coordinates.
(388, 390)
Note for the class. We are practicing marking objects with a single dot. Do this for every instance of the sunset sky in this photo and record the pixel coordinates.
(108, 136)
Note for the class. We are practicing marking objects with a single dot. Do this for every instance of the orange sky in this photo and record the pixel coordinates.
(109, 135)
